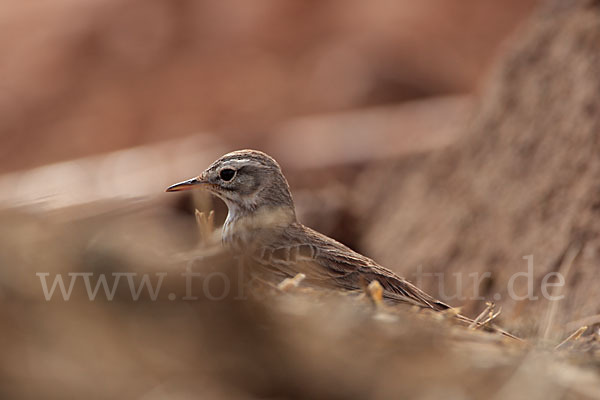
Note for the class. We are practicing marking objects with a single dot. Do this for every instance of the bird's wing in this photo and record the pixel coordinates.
(326, 262)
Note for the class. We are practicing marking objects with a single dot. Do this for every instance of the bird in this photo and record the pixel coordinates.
(262, 227)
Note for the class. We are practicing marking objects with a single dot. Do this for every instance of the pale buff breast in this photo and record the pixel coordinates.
(242, 232)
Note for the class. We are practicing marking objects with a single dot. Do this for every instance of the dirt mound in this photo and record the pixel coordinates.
(524, 181)
(217, 337)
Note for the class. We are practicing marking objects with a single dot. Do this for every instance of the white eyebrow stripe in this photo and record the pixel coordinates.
(242, 162)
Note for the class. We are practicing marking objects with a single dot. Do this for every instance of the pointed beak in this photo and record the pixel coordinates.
(186, 185)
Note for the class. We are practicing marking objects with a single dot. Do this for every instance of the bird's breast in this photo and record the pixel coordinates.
(242, 232)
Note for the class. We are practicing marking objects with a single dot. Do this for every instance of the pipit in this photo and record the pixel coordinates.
(262, 227)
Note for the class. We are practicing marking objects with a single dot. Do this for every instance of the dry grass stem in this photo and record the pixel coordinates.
(572, 337)
(570, 255)
(375, 292)
(486, 312)
(206, 226)
(491, 317)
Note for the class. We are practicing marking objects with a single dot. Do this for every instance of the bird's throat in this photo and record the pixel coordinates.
(241, 229)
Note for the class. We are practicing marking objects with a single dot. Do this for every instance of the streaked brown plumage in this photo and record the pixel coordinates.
(262, 226)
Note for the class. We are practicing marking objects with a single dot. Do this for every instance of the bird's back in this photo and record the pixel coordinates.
(328, 263)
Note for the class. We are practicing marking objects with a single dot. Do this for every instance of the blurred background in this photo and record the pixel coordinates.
(88, 78)
(455, 136)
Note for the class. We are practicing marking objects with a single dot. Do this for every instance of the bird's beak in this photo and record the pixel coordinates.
(186, 185)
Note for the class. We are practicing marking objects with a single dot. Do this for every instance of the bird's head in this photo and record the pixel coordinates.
(246, 180)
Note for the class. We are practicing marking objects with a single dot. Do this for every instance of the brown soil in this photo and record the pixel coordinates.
(524, 181)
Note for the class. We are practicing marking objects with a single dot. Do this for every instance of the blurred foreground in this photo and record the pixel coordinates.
(234, 341)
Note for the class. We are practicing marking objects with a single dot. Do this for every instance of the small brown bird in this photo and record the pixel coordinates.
(261, 225)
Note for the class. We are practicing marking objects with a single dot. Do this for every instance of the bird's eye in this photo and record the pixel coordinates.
(227, 174)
